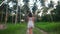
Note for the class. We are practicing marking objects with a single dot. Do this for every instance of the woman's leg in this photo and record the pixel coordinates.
(30, 31)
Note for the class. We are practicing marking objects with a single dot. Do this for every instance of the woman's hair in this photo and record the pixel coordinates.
(30, 14)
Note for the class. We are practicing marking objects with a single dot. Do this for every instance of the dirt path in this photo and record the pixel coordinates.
(42, 31)
(38, 31)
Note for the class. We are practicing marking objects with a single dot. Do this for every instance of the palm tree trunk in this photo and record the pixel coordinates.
(12, 19)
(16, 19)
(51, 18)
(6, 14)
(2, 16)
(16, 15)
(6, 18)
(20, 15)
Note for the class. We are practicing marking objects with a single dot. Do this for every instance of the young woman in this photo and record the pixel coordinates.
(30, 23)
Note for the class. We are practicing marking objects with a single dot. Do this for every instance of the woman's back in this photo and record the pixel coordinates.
(30, 19)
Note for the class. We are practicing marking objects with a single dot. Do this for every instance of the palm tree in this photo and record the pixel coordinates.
(34, 8)
(42, 2)
(16, 11)
(51, 7)
(6, 14)
(25, 8)
(57, 12)
(1, 9)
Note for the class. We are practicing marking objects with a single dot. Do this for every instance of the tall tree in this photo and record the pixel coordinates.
(51, 5)
(42, 2)
(34, 7)
(1, 13)
(16, 12)
(58, 11)
(26, 1)
(6, 17)
(51, 8)
(25, 8)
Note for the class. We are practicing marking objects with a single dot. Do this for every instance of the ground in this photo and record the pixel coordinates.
(18, 29)
(22, 28)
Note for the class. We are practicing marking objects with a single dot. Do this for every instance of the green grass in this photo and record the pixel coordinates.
(17, 29)
(14, 29)
(52, 28)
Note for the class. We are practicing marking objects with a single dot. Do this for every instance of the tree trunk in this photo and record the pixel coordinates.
(16, 15)
(6, 14)
(6, 18)
(16, 18)
(51, 18)
(12, 19)
(20, 15)
(2, 17)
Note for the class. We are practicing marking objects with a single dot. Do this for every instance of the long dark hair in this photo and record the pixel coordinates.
(30, 14)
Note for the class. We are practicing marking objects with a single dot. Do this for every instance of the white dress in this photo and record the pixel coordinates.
(30, 23)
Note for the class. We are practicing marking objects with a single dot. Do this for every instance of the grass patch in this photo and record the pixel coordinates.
(14, 29)
(18, 29)
(49, 27)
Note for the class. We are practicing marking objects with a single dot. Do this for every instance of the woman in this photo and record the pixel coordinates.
(30, 23)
